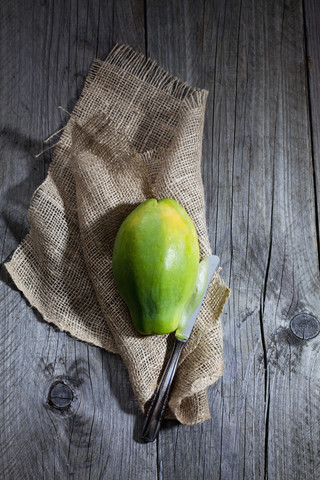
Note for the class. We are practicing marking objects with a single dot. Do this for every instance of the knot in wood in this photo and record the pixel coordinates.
(60, 395)
(305, 326)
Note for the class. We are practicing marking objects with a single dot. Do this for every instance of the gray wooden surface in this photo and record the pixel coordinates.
(261, 169)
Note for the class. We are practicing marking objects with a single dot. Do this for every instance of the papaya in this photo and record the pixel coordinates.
(155, 264)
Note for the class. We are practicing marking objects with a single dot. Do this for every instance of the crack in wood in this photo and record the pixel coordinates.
(311, 124)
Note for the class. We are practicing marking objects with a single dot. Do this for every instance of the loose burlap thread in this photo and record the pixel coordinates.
(135, 133)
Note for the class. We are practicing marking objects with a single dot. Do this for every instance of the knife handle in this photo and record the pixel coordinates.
(157, 407)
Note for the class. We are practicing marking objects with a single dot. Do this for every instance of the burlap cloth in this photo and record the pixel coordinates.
(135, 133)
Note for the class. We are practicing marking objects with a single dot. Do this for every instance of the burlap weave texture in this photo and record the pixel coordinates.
(135, 133)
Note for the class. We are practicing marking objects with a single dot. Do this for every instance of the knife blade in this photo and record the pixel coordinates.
(207, 268)
(157, 407)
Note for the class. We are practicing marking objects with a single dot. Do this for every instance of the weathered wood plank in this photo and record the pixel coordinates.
(189, 452)
(259, 185)
(46, 51)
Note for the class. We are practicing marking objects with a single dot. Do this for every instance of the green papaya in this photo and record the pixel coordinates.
(155, 264)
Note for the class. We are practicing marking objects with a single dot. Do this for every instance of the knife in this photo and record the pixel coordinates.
(154, 416)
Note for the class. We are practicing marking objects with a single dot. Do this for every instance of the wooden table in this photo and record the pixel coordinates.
(261, 165)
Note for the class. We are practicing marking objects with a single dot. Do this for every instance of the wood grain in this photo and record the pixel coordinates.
(261, 156)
